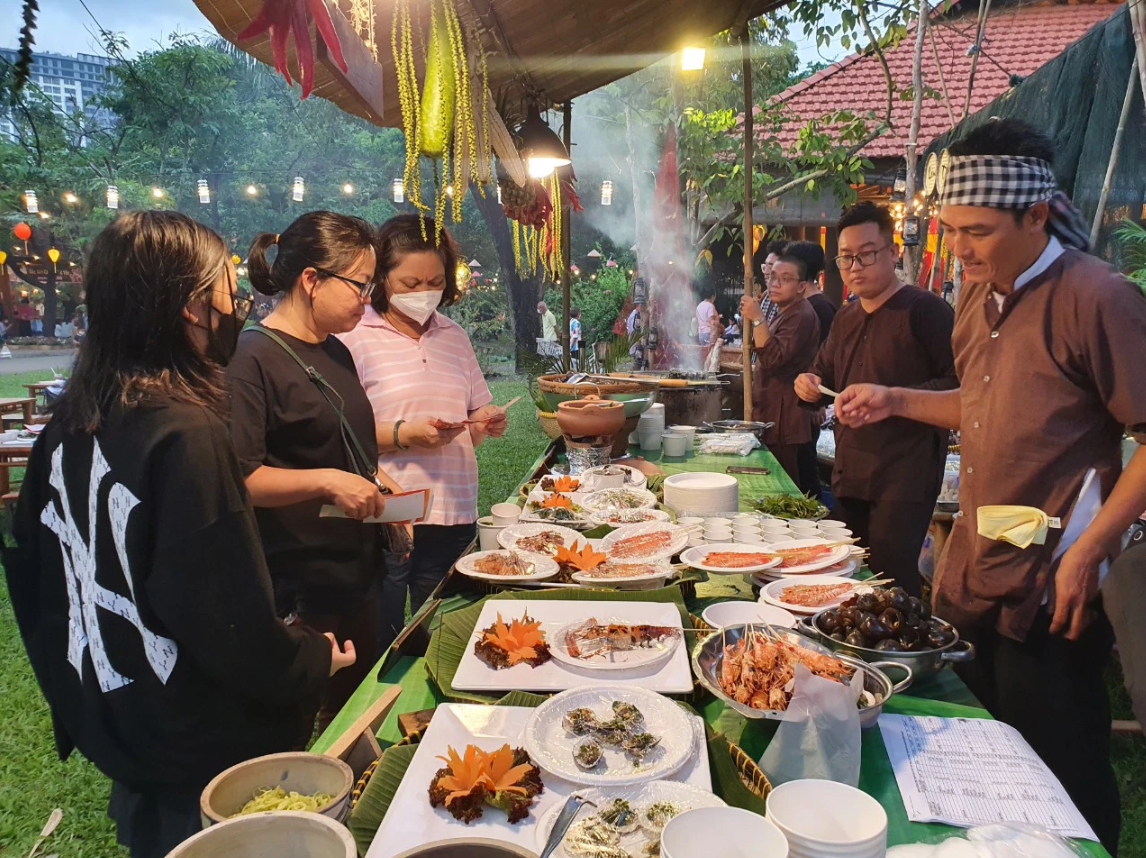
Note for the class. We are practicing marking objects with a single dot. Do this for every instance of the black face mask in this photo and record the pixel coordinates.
(223, 338)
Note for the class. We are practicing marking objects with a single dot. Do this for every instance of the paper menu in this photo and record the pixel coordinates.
(971, 771)
(407, 506)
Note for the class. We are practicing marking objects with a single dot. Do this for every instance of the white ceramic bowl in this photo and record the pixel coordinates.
(739, 525)
(690, 521)
(299, 771)
(505, 514)
(695, 539)
(835, 532)
(777, 538)
(823, 817)
(738, 613)
(727, 832)
(828, 522)
(286, 834)
(711, 532)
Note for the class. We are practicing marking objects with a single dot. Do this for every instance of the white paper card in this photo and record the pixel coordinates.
(973, 771)
(408, 506)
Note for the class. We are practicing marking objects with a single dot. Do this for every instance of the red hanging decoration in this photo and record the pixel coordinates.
(23, 231)
(281, 18)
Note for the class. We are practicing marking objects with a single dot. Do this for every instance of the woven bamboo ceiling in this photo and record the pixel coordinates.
(539, 51)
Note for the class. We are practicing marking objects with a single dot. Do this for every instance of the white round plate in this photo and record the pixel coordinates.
(695, 557)
(637, 516)
(770, 593)
(543, 567)
(551, 746)
(839, 553)
(639, 797)
(639, 658)
(739, 613)
(509, 537)
(677, 541)
(606, 499)
(658, 573)
(847, 569)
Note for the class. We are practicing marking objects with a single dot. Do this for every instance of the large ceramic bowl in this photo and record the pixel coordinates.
(299, 772)
(637, 398)
(289, 834)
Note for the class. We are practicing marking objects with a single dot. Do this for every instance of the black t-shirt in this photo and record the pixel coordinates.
(142, 595)
(825, 312)
(279, 418)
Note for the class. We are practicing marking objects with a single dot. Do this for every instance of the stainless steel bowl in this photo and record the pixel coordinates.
(924, 664)
(757, 429)
(708, 655)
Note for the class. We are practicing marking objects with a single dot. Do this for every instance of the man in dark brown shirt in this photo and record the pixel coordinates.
(886, 477)
(784, 348)
(1050, 345)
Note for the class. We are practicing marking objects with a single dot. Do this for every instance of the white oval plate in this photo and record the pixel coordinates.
(641, 516)
(770, 592)
(695, 557)
(847, 569)
(509, 537)
(634, 479)
(838, 554)
(543, 567)
(633, 659)
(677, 542)
(663, 571)
(604, 499)
(551, 746)
(640, 797)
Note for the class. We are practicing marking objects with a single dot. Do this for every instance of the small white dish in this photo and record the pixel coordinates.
(828, 522)
(835, 533)
(729, 832)
(675, 446)
(724, 533)
(718, 521)
(505, 514)
(738, 613)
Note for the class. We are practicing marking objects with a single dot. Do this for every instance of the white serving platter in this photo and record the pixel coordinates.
(509, 537)
(838, 554)
(846, 569)
(770, 593)
(696, 558)
(670, 676)
(411, 821)
(543, 567)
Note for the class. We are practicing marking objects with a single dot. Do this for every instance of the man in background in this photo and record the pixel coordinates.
(813, 256)
(548, 322)
(775, 250)
(705, 314)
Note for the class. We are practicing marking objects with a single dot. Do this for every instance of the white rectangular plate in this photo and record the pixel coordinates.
(411, 821)
(669, 677)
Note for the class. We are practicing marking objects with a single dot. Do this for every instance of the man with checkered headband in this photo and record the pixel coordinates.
(1050, 349)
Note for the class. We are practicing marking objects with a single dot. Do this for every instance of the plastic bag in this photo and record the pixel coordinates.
(820, 734)
(729, 444)
(998, 840)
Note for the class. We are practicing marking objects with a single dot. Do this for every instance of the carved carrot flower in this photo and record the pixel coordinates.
(584, 559)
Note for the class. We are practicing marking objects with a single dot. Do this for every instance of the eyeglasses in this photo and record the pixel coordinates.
(365, 290)
(783, 281)
(242, 304)
(868, 257)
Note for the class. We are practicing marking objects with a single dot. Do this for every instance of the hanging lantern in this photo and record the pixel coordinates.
(594, 254)
(398, 190)
(22, 231)
(298, 189)
(204, 192)
(640, 291)
(606, 193)
(112, 197)
(464, 276)
(348, 189)
(53, 255)
(71, 199)
(692, 59)
(236, 258)
(3, 258)
(542, 149)
(31, 202)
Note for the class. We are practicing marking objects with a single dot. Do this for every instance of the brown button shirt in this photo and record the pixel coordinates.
(1047, 385)
(789, 351)
(905, 343)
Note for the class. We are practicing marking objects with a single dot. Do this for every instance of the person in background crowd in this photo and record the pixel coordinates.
(78, 331)
(813, 256)
(1049, 350)
(575, 335)
(887, 477)
(420, 373)
(775, 250)
(548, 322)
(706, 314)
(159, 652)
(784, 349)
(25, 313)
(305, 437)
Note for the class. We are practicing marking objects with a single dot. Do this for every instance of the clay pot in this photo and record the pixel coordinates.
(591, 416)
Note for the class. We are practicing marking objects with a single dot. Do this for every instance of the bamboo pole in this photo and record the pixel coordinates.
(1138, 27)
(1115, 147)
(745, 336)
(913, 255)
(942, 77)
(984, 12)
(566, 243)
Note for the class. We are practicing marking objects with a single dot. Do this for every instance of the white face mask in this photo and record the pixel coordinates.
(418, 306)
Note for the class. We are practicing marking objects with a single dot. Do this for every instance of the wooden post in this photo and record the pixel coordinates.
(912, 255)
(746, 336)
(566, 243)
(942, 78)
(984, 12)
(1138, 27)
(6, 296)
(1114, 150)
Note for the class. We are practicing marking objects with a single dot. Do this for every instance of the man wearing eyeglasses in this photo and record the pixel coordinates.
(775, 250)
(886, 476)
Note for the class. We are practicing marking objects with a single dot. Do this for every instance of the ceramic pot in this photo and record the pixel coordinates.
(591, 416)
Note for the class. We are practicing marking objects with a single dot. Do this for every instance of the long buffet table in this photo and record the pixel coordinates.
(944, 695)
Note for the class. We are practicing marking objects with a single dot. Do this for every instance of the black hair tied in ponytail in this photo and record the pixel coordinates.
(320, 239)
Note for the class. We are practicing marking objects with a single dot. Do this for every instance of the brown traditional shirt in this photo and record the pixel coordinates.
(790, 350)
(904, 343)
(1047, 385)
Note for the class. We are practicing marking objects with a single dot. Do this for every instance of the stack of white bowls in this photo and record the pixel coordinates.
(704, 494)
(824, 819)
(721, 832)
(651, 426)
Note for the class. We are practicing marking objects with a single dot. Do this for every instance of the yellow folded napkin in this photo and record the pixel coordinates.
(1018, 525)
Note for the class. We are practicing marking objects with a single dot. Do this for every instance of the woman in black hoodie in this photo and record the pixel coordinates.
(138, 579)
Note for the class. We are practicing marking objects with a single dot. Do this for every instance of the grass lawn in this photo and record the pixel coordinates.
(33, 780)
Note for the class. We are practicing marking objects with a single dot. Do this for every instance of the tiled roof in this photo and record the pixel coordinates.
(1018, 40)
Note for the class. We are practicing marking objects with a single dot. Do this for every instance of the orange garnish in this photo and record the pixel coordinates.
(466, 773)
(503, 774)
(584, 559)
(555, 501)
(566, 484)
(519, 639)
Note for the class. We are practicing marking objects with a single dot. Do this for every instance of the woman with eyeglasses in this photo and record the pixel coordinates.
(304, 432)
(424, 382)
(137, 578)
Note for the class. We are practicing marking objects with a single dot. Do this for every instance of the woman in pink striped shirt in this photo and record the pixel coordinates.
(423, 380)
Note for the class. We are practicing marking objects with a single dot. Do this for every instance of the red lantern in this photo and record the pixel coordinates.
(23, 231)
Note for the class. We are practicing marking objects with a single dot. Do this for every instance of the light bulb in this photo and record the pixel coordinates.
(348, 189)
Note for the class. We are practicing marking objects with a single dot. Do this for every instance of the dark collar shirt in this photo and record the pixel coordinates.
(1049, 381)
(790, 350)
(904, 343)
